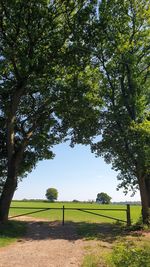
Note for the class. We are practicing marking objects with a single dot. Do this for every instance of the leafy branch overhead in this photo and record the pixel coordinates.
(39, 68)
(119, 43)
(77, 70)
(36, 39)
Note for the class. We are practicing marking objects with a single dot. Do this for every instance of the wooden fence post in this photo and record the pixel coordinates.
(63, 219)
(128, 215)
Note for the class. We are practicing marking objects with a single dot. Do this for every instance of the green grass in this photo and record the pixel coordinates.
(122, 254)
(89, 226)
(11, 232)
(75, 216)
(92, 260)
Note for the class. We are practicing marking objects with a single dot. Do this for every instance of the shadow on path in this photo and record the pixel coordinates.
(44, 230)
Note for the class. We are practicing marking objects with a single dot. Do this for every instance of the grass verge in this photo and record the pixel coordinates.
(92, 260)
(115, 246)
(11, 232)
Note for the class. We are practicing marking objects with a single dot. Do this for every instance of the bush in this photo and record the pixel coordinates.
(129, 255)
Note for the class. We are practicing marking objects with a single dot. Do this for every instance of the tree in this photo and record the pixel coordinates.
(123, 57)
(103, 198)
(121, 62)
(38, 76)
(51, 194)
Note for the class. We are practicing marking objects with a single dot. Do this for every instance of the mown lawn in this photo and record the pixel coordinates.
(72, 215)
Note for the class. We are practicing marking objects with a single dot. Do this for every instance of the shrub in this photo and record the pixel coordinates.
(129, 255)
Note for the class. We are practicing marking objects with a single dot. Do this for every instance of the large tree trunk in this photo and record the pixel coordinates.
(6, 197)
(144, 185)
(147, 182)
(11, 181)
(13, 157)
(10, 185)
(8, 190)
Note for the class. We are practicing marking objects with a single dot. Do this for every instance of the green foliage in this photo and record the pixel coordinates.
(103, 198)
(126, 254)
(40, 78)
(91, 260)
(51, 194)
(119, 41)
(123, 52)
(129, 255)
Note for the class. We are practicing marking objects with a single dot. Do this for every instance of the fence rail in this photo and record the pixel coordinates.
(86, 210)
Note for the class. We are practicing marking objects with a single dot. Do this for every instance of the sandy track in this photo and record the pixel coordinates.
(45, 244)
(49, 244)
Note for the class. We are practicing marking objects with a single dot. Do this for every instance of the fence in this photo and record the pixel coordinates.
(86, 210)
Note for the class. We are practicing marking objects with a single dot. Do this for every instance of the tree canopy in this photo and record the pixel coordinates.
(61, 60)
(39, 72)
(123, 56)
(120, 62)
(51, 194)
(103, 198)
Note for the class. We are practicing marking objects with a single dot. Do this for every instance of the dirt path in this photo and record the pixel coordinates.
(45, 244)
(49, 244)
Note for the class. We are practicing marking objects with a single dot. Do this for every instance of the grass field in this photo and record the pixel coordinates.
(72, 215)
(89, 227)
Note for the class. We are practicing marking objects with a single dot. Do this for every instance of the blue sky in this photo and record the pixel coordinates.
(76, 173)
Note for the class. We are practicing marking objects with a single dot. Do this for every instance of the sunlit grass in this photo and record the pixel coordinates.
(74, 215)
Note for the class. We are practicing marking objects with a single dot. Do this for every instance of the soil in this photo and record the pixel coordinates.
(50, 244)
(45, 244)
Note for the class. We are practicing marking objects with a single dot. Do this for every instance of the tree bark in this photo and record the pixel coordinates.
(10, 184)
(13, 161)
(11, 181)
(8, 189)
(6, 197)
(144, 185)
(147, 182)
